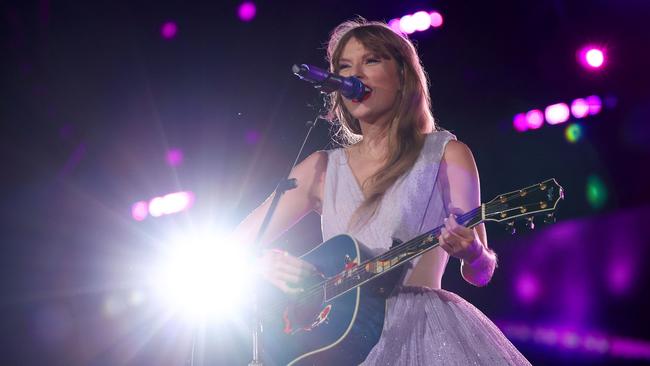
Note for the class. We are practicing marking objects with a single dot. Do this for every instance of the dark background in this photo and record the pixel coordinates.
(93, 97)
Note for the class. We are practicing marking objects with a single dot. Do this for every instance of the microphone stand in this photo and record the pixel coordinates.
(283, 186)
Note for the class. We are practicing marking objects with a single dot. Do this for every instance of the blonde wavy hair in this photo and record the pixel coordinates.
(411, 118)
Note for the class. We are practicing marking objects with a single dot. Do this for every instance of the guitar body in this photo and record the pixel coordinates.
(340, 331)
(339, 316)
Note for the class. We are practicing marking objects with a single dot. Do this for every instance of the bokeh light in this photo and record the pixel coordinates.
(592, 57)
(595, 104)
(596, 192)
(175, 157)
(436, 19)
(406, 24)
(421, 20)
(579, 108)
(169, 30)
(527, 287)
(573, 133)
(534, 119)
(246, 11)
(140, 210)
(557, 113)
(519, 122)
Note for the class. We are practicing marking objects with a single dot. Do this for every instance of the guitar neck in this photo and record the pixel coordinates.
(393, 258)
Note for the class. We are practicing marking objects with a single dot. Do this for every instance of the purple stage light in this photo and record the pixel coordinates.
(246, 11)
(579, 108)
(139, 210)
(630, 348)
(175, 157)
(557, 113)
(519, 122)
(168, 30)
(620, 275)
(527, 287)
(406, 24)
(595, 104)
(534, 119)
(421, 20)
(156, 207)
(436, 19)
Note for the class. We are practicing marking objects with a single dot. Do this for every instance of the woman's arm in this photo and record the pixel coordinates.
(294, 204)
(460, 182)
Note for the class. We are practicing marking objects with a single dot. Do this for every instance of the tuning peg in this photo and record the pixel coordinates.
(550, 218)
(510, 227)
(530, 224)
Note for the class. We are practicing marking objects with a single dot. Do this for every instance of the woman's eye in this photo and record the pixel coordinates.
(341, 67)
(372, 60)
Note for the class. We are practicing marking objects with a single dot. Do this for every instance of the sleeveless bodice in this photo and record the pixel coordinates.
(412, 205)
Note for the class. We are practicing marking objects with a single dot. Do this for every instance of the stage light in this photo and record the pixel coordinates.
(175, 157)
(246, 11)
(527, 287)
(140, 210)
(394, 25)
(620, 273)
(204, 279)
(579, 108)
(595, 104)
(421, 20)
(596, 192)
(591, 57)
(534, 119)
(573, 133)
(436, 19)
(519, 122)
(557, 113)
(168, 30)
(406, 24)
(165, 205)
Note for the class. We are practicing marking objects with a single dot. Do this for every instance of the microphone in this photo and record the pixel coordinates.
(349, 87)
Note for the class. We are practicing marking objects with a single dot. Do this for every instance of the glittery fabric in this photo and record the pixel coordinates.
(438, 327)
(422, 326)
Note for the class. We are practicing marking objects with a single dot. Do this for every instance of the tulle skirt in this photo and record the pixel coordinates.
(437, 327)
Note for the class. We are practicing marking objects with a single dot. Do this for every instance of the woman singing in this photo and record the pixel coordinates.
(396, 176)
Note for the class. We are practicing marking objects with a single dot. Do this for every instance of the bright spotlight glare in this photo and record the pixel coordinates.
(203, 279)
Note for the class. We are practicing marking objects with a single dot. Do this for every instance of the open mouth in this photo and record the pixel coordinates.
(365, 97)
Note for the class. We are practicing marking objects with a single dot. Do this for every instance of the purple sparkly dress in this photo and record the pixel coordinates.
(422, 326)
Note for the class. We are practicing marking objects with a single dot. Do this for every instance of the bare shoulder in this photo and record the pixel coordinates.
(310, 174)
(458, 154)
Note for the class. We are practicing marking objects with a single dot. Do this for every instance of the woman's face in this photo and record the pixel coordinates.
(380, 74)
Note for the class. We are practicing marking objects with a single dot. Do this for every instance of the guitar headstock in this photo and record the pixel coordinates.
(525, 203)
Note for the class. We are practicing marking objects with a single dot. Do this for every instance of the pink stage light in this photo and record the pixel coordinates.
(436, 19)
(421, 20)
(246, 11)
(394, 25)
(406, 24)
(139, 210)
(592, 57)
(557, 113)
(595, 104)
(534, 119)
(168, 30)
(170, 203)
(579, 108)
(174, 157)
(519, 122)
